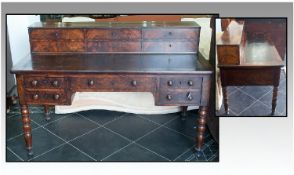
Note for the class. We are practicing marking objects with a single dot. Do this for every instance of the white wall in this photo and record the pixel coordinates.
(17, 29)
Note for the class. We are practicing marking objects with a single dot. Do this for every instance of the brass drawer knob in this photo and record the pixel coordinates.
(35, 96)
(34, 82)
(91, 82)
(55, 83)
(169, 97)
(189, 96)
(56, 96)
(134, 83)
(190, 83)
(170, 83)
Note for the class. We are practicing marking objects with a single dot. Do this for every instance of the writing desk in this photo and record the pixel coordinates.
(247, 61)
(51, 77)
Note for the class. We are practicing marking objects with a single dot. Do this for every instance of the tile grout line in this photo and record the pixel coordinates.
(119, 117)
(71, 140)
(184, 153)
(151, 151)
(14, 153)
(116, 151)
(46, 151)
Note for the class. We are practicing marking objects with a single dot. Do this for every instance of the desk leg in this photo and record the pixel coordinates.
(274, 100)
(46, 110)
(226, 100)
(184, 112)
(27, 128)
(203, 112)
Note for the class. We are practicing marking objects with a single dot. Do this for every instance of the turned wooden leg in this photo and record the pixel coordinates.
(225, 96)
(184, 112)
(46, 110)
(27, 130)
(274, 100)
(203, 112)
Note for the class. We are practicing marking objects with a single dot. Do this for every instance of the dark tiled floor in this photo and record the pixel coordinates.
(255, 100)
(100, 135)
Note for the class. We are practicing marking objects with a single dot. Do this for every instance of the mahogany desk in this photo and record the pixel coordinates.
(247, 61)
(165, 63)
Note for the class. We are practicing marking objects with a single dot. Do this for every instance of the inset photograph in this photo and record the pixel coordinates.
(251, 67)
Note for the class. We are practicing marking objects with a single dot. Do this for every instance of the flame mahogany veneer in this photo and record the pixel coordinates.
(157, 57)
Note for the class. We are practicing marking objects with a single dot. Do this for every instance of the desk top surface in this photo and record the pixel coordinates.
(142, 24)
(113, 63)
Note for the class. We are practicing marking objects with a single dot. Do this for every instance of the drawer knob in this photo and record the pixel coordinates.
(170, 45)
(170, 33)
(35, 97)
(170, 83)
(134, 83)
(169, 97)
(56, 96)
(190, 83)
(55, 83)
(91, 82)
(189, 96)
(34, 82)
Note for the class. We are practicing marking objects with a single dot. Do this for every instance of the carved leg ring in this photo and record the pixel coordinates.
(225, 96)
(274, 100)
(46, 110)
(203, 112)
(27, 128)
(184, 112)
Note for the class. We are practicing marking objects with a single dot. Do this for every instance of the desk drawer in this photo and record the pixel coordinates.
(44, 45)
(36, 82)
(115, 83)
(113, 34)
(46, 97)
(169, 46)
(183, 82)
(74, 34)
(113, 46)
(180, 97)
(191, 34)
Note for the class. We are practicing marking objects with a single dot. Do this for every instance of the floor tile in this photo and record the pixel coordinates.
(101, 116)
(231, 89)
(186, 127)
(256, 91)
(42, 141)
(222, 112)
(14, 126)
(161, 118)
(238, 101)
(10, 157)
(63, 153)
(257, 109)
(40, 117)
(71, 126)
(166, 143)
(281, 101)
(100, 143)
(131, 126)
(134, 152)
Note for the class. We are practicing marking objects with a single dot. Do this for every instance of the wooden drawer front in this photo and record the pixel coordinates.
(115, 46)
(43, 34)
(191, 34)
(46, 97)
(44, 82)
(72, 46)
(115, 83)
(44, 46)
(114, 34)
(228, 54)
(184, 82)
(253, 76)
(189, 97)
(169, 46)
(74, 34)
